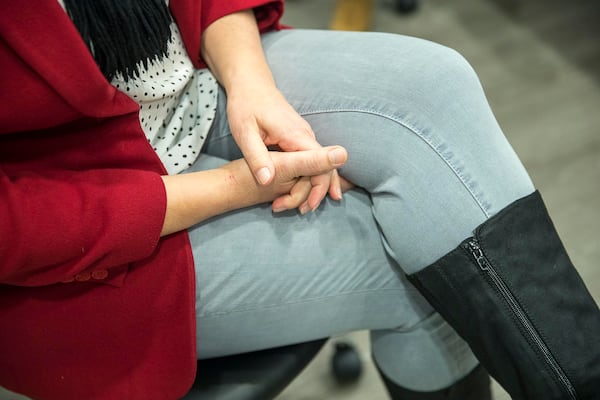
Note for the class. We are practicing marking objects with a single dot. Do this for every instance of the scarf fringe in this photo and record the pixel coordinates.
(122, 35)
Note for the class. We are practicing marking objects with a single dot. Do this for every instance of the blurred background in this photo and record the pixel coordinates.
(539, 62)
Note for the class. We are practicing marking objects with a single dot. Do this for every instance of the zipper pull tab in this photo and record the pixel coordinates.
(477, 253)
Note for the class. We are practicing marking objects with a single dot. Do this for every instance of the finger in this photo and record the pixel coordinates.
(335, 188)
(318, 164)
(346, 184)
(320, 185)
(298, 194)
(299, 139)
(315, 162)
(257, 156)
(342, 185)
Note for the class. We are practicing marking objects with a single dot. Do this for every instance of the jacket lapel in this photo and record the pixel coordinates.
(42, 34)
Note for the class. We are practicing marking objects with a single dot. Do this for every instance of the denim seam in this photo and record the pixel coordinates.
(413, 130)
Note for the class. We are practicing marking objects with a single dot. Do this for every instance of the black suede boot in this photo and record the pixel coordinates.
(474, 386)
(513, 294)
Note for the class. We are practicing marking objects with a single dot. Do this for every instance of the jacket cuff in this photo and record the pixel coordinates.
(194, 17)
(268, 13)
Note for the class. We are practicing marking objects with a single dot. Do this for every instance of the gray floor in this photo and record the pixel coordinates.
(539, 61)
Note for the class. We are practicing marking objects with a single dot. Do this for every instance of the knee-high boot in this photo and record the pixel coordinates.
(513, 294)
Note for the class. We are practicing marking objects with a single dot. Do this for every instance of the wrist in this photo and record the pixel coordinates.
(232, 48)
(240, 185)
(194, 197)
(250, 81)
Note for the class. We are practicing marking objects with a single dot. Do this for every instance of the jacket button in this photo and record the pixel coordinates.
(100, 274)
(83, 276)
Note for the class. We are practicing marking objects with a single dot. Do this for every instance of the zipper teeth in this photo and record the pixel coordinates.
(486, 266)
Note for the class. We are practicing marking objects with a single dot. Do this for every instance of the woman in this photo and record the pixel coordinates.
(146, 224)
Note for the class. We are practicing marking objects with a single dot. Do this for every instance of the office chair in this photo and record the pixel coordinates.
(262, 375)
(259, 375)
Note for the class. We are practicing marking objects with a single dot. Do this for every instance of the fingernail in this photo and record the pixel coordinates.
(263, 175)
(304, 209)
(336, 156)
(279, 209)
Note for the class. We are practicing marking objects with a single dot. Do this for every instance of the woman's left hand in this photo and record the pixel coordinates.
(259, 115)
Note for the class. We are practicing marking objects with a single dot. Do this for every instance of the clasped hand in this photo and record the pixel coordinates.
(268, 120)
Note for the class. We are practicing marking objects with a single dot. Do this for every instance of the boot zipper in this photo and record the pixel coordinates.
(477, 253)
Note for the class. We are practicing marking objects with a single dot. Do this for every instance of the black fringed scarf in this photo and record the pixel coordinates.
(121, 34)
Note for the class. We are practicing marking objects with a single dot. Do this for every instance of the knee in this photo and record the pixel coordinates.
(455, 73)
(447, 63)
(431, 87)
(439, 75)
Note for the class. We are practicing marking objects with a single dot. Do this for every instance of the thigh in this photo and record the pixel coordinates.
(429, 93)
(265, 280)
(421, 137)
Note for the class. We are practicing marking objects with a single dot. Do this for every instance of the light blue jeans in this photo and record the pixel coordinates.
(433, 163)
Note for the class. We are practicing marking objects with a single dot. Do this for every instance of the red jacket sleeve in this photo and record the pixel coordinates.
(57, 224)
(79, 193)
(194, 16)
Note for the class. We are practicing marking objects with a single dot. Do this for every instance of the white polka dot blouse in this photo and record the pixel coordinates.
(177, 104)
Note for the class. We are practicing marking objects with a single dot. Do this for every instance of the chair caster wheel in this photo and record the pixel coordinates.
(345, 363)
(405, 6)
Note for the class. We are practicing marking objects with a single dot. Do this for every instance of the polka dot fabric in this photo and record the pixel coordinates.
(177, 105)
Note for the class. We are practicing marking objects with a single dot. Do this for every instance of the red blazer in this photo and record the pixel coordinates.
(93, 304)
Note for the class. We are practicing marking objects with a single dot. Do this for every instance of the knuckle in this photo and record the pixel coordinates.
(313, 164)
(294, 201)
(306, 130)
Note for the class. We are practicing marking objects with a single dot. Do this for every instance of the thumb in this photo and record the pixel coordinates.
(316, 162)
(257, 156)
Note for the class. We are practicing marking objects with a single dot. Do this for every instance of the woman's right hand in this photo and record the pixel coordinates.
(291, 184)
(194, 197)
